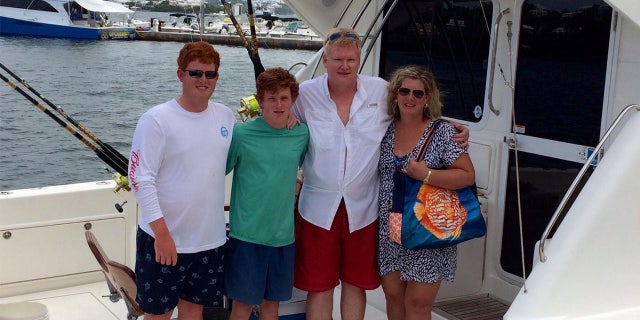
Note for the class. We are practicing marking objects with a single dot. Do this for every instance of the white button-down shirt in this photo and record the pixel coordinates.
(342, 161)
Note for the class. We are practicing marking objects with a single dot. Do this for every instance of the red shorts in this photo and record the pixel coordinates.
(323, 258)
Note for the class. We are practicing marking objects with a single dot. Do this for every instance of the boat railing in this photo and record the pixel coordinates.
(492, 70)
(377, 33)
(578, 178)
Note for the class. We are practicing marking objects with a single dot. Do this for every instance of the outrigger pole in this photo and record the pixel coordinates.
(252, 47)
(106, 153)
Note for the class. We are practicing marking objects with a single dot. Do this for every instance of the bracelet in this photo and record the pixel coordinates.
(426, 180)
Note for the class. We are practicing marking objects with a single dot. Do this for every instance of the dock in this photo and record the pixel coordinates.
(297, 43)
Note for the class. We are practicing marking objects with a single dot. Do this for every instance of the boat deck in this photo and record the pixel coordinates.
(91, 301)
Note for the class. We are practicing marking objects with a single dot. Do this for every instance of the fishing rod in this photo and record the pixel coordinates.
(113, 154)
(252, 47)
(249, 107)
(257, 68)
(118, 167)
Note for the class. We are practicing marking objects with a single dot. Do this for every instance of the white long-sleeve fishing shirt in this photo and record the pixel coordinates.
(177, 171)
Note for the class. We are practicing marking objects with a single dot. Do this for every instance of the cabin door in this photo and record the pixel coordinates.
(559, 96)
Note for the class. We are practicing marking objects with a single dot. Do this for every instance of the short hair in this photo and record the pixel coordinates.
(434, 105)
(274, 79)
(342, 37)
(201, 51)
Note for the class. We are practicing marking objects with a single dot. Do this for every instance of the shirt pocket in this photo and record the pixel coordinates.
(324, 132)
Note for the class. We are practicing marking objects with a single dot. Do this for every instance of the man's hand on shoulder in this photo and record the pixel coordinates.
(462, 137)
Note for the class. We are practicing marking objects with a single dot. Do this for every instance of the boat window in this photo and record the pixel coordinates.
(31, 5)
(562, 64)
(559, 94)
(451, 38)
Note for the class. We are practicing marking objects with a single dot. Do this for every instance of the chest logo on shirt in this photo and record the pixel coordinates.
(224, 132)
(372, 105)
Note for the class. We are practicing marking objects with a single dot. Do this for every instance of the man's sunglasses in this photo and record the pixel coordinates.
(406, 91)
(347, 35)
(198, 74)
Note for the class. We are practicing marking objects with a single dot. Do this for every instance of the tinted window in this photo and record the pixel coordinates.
(562, 64)
(32, 5)
(449, 37)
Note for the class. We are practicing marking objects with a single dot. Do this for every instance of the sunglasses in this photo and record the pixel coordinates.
(406, 91)
(198, 74)
(347, 35)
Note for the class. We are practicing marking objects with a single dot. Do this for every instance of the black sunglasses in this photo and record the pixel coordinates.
(198, 74)
(347, 35)
(406, 91)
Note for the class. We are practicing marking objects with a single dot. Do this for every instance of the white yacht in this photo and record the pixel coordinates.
(78, 19)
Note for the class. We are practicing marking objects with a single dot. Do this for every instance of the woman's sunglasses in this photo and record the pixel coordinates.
(406, 91)
(198, 74)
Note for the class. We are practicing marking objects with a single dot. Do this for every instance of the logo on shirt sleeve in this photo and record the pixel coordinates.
(134, 162)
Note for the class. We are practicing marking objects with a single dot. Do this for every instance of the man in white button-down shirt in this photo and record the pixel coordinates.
(337, 234)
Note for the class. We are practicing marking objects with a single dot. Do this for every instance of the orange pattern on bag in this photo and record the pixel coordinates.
(395, 227)
(439, 210)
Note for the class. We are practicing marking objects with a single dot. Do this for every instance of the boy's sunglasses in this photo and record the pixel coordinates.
(406, 91)
(198, 74)
(347, 35)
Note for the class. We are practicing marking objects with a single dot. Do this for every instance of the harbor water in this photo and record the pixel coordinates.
(105, 86)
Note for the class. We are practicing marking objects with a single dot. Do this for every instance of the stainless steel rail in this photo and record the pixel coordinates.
(579, 177)
(377, 33)
(496, 29)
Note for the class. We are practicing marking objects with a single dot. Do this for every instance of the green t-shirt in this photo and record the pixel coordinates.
(265, 164)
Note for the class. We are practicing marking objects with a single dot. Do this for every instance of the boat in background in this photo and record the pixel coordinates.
(216, 23)
(181, 22)
(79, 19)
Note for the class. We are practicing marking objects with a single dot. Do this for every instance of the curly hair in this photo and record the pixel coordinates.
(274, 79)
(433, 109)
(201, 51)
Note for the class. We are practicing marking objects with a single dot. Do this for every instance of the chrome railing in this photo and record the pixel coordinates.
(576, 181)
(496, 29)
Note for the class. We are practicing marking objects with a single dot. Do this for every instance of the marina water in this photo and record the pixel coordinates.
(105, 86)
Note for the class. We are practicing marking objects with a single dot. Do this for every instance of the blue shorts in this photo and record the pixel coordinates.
(197, 278)
(255, 272)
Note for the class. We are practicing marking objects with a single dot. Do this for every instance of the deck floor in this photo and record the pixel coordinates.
(481, 307)
(91, 301)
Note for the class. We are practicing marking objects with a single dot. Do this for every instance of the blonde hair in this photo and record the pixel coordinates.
(433, 109)
(342, 37)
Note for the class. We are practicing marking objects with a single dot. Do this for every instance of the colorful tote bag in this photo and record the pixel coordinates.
(423, 216)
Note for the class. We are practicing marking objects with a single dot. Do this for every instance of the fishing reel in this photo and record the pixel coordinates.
(122, 183)
(249, 108)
